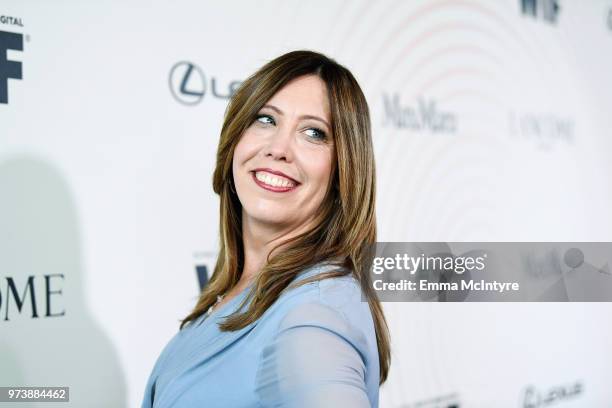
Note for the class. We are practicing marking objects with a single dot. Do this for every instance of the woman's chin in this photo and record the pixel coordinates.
(272, 216)
(277, 221)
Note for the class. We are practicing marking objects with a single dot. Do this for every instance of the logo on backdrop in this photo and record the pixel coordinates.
(609, 19)
(188, 84)
(543, 129)
(202, 272)
(43, 302)
(9, 41)
(425, 116)
(204, 261)
(547, 10)
(534, 398)
(441, 401)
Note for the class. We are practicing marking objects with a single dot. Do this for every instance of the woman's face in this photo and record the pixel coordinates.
(283, 161)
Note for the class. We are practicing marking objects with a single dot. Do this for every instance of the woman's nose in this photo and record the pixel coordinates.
(280, 143)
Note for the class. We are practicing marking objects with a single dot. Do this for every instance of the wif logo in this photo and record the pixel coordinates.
(9, 69)
(548, 10)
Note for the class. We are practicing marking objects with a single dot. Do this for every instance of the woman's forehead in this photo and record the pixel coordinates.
(305, 95)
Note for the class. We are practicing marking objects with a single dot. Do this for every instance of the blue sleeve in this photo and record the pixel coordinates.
(149, 394)
(314, 361)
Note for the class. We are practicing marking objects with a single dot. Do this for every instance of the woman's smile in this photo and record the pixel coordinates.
(273, 182)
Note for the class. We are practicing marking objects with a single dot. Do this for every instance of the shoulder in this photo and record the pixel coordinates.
(338, 292)
(322, 351)
(335, 304)
(335, 296)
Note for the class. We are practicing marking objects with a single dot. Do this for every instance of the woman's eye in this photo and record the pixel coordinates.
(318, 134)
(265, 119)
(315, 133)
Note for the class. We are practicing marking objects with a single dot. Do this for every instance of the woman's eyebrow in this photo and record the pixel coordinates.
(280, 112)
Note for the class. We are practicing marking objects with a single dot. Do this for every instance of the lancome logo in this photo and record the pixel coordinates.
(425, 116)
(16, 293)
(544, 129)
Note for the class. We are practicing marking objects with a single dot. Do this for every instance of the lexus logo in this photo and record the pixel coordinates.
(187, 83)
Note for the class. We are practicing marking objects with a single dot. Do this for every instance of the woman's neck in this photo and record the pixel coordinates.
(259, 239)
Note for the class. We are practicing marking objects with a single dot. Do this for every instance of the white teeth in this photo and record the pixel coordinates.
(273, 181)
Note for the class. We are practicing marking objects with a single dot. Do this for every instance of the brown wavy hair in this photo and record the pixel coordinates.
(345, 226)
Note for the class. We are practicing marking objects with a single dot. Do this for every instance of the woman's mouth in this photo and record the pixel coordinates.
(272, 182)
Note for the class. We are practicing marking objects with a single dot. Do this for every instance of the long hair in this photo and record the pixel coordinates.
(345, 225)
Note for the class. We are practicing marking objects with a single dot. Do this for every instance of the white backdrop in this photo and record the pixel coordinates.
(491, 122)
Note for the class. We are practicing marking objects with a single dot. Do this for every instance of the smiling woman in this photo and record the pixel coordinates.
(282, 321)
(288, 157)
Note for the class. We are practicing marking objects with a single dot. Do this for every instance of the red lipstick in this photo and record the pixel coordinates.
(275, 189)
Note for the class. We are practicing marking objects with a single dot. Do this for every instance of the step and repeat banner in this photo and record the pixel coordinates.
(491, 123)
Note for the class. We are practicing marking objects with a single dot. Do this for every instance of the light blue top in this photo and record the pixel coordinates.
(314, 347)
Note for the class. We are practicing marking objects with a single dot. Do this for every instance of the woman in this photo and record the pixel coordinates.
(282, 321)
